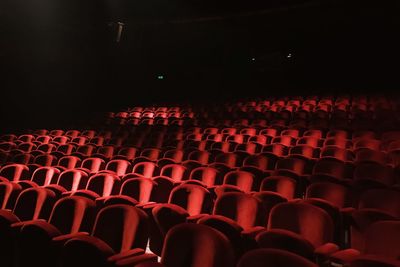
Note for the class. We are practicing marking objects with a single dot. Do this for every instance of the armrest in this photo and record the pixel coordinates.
(326, 249)
(8, 218)
(41, 224)
(323, 252)
(67, 193)
(253, 232)
(60, 240)
(86, 241)
(143, 205)
(148, 206)
(16, 227)
(195, 218)
(126, 254)
(27, 184)
(132, 261)
(7, 210)
(343, 257)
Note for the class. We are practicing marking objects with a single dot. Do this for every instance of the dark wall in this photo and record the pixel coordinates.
(60, 62)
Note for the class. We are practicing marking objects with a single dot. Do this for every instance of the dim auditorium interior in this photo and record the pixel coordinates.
(157, 133)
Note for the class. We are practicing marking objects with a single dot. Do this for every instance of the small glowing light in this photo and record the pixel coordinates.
(253, 59)
(289, 55)
(160, 77)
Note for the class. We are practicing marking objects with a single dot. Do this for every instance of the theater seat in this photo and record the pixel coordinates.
(119, 230)
(69, 215)
(381, 247)
(190, 245)
(300, 228)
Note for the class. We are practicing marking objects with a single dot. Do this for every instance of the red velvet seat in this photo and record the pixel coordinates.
(176, 172)
(242, 179)
(300, 228)
(45, 175)
(92, 165)
(103, 184)
(69, 162)
(15, 172)
(190, 245)
(283, 185)
(73, 179)
(381, 247)
(119, 230)
(139, 188)
(70, 215)
(145, 168)
(119, 167)
(9, 192)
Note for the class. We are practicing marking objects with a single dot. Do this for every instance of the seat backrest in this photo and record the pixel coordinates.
(8, 194)
(122, 227)
(385, 200)
(15, 172)
(207, 175)
(119, 166)
(104, 184)
(69, 162)
(139, 188)
(34, 203)
(93, 164)
(145, 168)
(196, 245)
(311, 222)
(73, 179)
(383, 238)
(194, 198)
(243, 179)
(243, 208)
(336, 194)
(283, 185)
(174, 171)
(45, 175)
(73, 214)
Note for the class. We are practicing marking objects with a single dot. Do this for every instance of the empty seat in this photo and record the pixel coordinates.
(15, 172)
(381, 247)
(70, 215)
(139, 188)
(92, 165)
(373, 205)
(45, 175)
(118, 166)
(207, 175)
(283, 185)
(69, 162)
(190, 245)
(8, 194)
(145, 168)
(299, 228)
(242, 179)
(118, 229)
(73, 179)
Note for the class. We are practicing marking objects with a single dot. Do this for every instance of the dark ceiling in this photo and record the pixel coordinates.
(60, 60)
